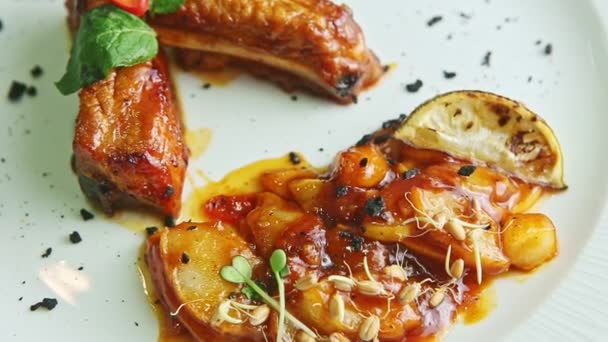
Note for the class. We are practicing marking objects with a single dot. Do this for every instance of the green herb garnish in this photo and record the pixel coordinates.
(240, 273)
(108, 37)
(165, 6)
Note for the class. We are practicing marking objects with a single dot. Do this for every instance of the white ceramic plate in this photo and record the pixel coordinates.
(40, 198)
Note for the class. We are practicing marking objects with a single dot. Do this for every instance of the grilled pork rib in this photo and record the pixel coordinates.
(128, 145)
(315, 40)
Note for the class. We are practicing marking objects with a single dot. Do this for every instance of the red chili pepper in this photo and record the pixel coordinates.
(135, 7)
(230, 209)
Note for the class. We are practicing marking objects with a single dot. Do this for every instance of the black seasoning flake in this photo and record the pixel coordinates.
(363, 162)
(46, 303)
(151, 230)
(191, 228)
(386, 68)
(75, 237)
(374, 206)
(81, 268)
(321, 149)
(206, 85)
(411, 173)
(449, 74)
(47, 252)
(341, 191)
(413, 87)
(170, 221)
(136, 324)
(393, 123)
(434, 20)
(364, 140)
(381, 139)
(548, 49)
(185, 258)
(16, 91)
(169, 191)
(32, 91)
(1, 25)
(36, 71)
(467, 170)
(294, 98)
(294, 158)
(487, 59)
(20, 298)
(538, 42)
(86, 215)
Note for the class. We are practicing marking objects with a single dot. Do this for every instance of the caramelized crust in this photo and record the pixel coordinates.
(315, 40)
(128, 143)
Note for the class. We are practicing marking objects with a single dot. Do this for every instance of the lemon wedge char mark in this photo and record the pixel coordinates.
(489, 129)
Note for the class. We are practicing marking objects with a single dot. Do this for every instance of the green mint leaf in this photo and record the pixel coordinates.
(165, 6)
(108, 37)
(278, 260)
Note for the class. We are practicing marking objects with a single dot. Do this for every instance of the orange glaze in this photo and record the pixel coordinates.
(329, 235)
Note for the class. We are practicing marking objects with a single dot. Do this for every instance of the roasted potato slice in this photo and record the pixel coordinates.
(277, 180)
(529, 240)
(489, 129)
(185, 263)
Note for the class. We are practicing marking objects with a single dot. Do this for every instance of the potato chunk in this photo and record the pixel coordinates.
(529, 240)
(185, 263)
(269, 219)
(277, 181)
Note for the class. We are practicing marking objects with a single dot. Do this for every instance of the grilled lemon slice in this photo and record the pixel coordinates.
(489, 129)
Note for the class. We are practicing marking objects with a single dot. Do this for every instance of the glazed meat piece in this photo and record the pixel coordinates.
(316, 41)
(128, 145)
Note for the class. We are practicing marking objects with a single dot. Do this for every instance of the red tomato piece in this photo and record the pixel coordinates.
(230, 209)
(135, 7)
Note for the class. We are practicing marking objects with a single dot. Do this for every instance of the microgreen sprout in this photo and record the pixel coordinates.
(240, 273)
(278, 265)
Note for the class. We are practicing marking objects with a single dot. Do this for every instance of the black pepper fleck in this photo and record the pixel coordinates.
(449, 74)
(414, 87)
(20, 298)
(467, 170)
(136, 324)
(75, 237)
(294, 98)
(151, 230)
(374, 206)
(47, 303)
(363, 162)
(32, 91)
(86, 215)
(47, 252)
(81, 268)
(36, 71)
(16, 91)
(341, 191)
(393, 123)
(206, 85)
(294, 158)
(487, 59)
(191, 228)
(411, 173)
(434, 20)
(1, 25)
(169, 191)
(170, 221)
(548, 49)
(185, 258)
